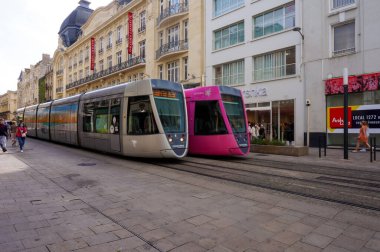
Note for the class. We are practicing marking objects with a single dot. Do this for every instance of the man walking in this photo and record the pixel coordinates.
(3, 135)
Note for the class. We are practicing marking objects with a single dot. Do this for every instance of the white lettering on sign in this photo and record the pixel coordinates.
(255, 92)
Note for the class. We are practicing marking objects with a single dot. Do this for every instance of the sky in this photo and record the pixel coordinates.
(28, 29)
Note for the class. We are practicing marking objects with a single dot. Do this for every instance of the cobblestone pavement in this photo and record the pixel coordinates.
(57, 198)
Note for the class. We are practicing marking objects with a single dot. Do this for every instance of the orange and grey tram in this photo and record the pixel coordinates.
(145, 118)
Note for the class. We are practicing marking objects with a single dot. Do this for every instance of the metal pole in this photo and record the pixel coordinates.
(325, 142)
(319, 145)
(374, 148)
(371, 143)
(345, 135)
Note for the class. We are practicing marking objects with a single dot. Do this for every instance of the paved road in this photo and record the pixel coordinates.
(56, 198)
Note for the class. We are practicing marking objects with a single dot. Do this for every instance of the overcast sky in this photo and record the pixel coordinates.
(29, 28)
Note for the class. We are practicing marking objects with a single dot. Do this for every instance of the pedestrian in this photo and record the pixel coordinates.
(262, 132)
(363, 136)
(13, 133)
(21, 135)
(3, 135)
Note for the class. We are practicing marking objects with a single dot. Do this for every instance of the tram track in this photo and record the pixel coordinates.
(327, 186)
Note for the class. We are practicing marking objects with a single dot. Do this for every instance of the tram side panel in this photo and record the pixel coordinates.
(63, 123)
(43, 124)
(99, 124)
(30, 120)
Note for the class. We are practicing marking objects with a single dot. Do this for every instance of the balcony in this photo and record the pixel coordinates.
(59, 90)
(175, 10)
(129, 64)
(172, 48)
(142, 28)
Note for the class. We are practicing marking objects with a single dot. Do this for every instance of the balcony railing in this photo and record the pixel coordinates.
(172, 10)
(124, 65)
(344, 51)
(59, 90)
(142, 28)
(171, 47)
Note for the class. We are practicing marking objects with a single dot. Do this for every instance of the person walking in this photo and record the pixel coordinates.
(363, 136)
(21, 135)
(3, 135)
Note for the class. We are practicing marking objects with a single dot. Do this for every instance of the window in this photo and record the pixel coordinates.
(229, 74)
(142, 25)
(119, 35)
(229, 36)
(186, 30)
(80, 74)
(109, 60)
(344, 38)
(75, 76)
(115, 116)
(161, 39)
(87, 53)
(109, 40)
(97, 118)
(160, 72)
(185, 68)
(161, 7)
(142, 49)
(80, 57)
(208, 119)
(173, 71)
(140, 116)
(87, 71)
(275, 65)
(173, 36)
(101, 65)
(118, 57)
(101, 45)
(274, 21)
(223, 6)
(341, 3)
(88, 115)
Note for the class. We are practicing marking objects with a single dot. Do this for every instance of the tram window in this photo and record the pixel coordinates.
(208, 119)
(88, 115)
(114, 117)
(101, 116)
(235, 113)
(140, 116)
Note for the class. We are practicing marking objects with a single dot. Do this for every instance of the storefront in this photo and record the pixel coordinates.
(364, 105)
(276, 116)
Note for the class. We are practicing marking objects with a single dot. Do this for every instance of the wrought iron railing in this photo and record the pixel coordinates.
(170, 47)
(124, 65)
(59, 90)
(173, 10)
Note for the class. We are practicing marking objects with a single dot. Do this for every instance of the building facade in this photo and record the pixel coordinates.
(131, 40)
(28, 82)
(251, 45)
(8, 105)
(342, 34)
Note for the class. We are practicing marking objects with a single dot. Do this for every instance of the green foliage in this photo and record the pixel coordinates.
(268, 142)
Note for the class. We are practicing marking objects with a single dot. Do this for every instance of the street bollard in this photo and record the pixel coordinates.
(319, 145)
(373, 147)
(325, 141)
(371, 144)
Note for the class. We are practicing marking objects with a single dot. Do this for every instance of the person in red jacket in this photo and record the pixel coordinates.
(21, 135)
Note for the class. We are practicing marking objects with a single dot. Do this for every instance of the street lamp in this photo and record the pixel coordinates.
(298, 29)
(345, 135)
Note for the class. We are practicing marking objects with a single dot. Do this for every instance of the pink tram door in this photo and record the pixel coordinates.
(217, 121)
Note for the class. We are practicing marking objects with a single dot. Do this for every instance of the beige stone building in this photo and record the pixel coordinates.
(28, 82)
(167, 39)
(8, 105)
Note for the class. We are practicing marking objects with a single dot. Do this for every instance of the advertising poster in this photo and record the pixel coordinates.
(356, 84)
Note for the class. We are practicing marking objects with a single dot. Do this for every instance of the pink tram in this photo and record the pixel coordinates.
(217, 121)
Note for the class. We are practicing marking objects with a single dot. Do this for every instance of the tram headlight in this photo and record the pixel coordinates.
(170, 139)
(182, 138)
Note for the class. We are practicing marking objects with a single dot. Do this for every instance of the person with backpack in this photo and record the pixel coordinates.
(3, 135)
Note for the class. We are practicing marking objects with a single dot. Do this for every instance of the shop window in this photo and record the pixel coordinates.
(140, 116)
(208, 119)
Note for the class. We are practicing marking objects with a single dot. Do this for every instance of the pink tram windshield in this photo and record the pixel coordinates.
(217, 121)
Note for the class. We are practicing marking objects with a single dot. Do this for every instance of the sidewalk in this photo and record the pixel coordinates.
(334, 158)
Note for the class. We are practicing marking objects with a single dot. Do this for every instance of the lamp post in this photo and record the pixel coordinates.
(345, 134)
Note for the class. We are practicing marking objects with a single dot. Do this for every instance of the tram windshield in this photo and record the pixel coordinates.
(208, 119)
(235, 113)
(171, 109)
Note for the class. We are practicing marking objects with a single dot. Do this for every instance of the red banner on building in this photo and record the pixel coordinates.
(92, 53)
(130, 32)
(356, 84)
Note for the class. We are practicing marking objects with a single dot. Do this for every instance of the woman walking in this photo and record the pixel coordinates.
(363, 136)
(21, 135)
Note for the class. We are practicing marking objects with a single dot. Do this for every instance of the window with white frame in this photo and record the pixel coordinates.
(142, 49)
(229, 74)
(142, 25)
(161, 39)
(186, 30)
(118, 57)
(101, 65)
(344, 38)
(274, 65)
(173, 36)
(277, 20)
(101, 44)
(335, 4)
(185, 68)
(160, 72)
(119, 35)
(80, 57)
(109, 40)
(161, 7)
(109, 60)
(173, 71)
(223, 6)
(87, 54)
(229, 36)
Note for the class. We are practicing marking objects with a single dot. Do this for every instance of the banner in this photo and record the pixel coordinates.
(130, 32)
(356, 84)
(356, 114)
(92, 54)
